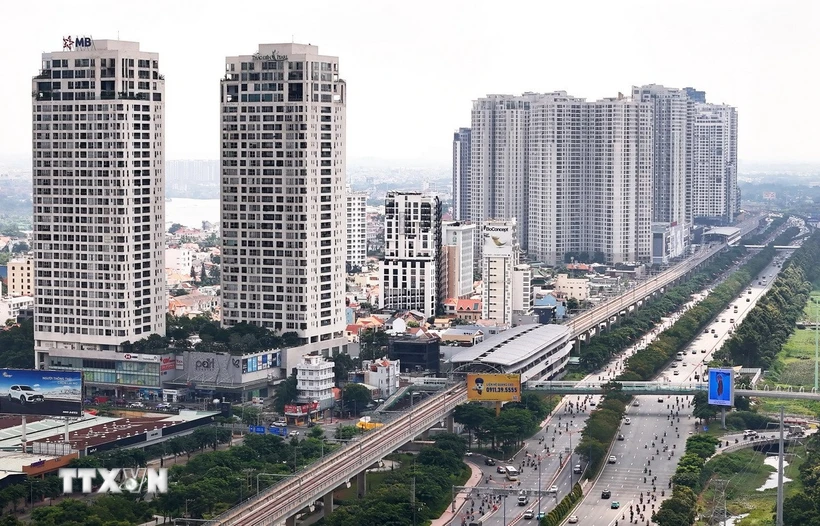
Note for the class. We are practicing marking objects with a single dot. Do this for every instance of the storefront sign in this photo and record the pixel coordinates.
(168, 363)
(301, 409)
(180, 363)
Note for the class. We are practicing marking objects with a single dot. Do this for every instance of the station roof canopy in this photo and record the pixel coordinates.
(727, 231)
(514, 345)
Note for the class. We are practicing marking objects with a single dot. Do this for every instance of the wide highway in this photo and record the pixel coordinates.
(669, 418)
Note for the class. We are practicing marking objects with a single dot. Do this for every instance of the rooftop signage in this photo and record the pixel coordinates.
(270, 56)
(70, 44)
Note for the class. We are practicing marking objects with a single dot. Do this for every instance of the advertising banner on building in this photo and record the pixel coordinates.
(168, 363)
(721, 387)
(497, 239)
(493, 387)
(301, 409)
(47, 393)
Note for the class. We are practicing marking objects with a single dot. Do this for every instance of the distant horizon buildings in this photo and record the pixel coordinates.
(282, 156)
(461, 174)
(99, 210)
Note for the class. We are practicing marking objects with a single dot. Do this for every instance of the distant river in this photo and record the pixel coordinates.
(191, 212)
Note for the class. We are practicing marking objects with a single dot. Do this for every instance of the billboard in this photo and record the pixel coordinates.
(498, 238)
(493, 387)
(721, 387)
(48, 393)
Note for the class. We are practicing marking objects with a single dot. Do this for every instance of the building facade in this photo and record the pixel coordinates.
(283, 192)
(20, 277)
(522, 289)
(356, 221)
(576, 175)
(458, 245)
(714, 164)
(99, 198)
(314, 381)
(179, 260)
(411, 269)
(672, 122)
(500, 253)
(461, 174)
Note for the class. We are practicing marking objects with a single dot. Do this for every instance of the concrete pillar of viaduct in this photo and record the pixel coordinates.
(327, 504)
(449, 423)
(290, 521)
(361, 484)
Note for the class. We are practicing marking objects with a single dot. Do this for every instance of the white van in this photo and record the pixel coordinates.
(679, 357)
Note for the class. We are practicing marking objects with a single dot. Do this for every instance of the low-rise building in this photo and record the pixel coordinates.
(20, 276)
(179, 260)
(192, 304)
(314, 382)
(417, 352)
(466, 309)
(577, 288)
(462, 336)
(382, 374)
(12, 308)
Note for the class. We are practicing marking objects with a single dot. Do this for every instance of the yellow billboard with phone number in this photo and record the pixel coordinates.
(493, 387)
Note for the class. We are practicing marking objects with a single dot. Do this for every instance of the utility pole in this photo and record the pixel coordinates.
(816, 346)
(781, 445)
(719, 507)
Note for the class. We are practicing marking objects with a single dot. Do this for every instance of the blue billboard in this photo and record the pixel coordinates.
(47, 393)
(721, 387)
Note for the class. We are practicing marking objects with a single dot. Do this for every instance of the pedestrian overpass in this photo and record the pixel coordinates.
(660, 388)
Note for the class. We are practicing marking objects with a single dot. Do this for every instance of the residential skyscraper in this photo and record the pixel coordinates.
(283, 193)
(356, 217)
(714, 161)
(458, 240)
(672, 124)
(99, 208)
(412, 266)
(498, 159)
(461, 174)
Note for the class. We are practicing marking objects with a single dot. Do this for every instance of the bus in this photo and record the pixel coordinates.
(512, 473)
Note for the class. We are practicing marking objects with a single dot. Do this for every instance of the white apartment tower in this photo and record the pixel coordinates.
(672, 123)
(714, 164)
(576, 175)
(461, 174)
(498, 159)
(458, 246)
(283, 191)
(99, 199)
(616, 190)
(356, 217)
(412, 263)
(500, 252)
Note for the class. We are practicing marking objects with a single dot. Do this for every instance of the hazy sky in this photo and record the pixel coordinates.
(413, 68)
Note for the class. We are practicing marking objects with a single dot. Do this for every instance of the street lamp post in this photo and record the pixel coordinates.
(504, 512)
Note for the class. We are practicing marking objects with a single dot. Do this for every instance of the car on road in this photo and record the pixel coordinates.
(694, 351)
(660, 399)
(747, 300)
(615, 505)
(501, 469)
(612, 459)
(636, 404)
(293, 433)
(163, 407)
(541, 514)
(489, 461)
(605, 494)
(573, 519)
(703, 351)
(676, 372)
(136, 405)
(592, 403)
(716, 335)
(732, 320)
(468, 453)
(627, 421)
(577, 469)
(523, 500)
(553, 489)
(529, 514)
(25, 394)
(280, 424)
(621, 437)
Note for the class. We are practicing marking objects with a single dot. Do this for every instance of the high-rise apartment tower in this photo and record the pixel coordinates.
(283, 192)
(461, 174)
(99, 206)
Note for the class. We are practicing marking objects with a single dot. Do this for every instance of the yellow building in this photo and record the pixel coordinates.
(20, 278)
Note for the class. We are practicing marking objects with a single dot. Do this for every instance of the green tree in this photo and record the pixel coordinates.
(356, 397)
(202, 275)
(285, 393)
(174, 228)
(342, 365)
(193, 272)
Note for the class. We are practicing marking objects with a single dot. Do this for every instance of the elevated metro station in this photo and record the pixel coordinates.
(536, 352)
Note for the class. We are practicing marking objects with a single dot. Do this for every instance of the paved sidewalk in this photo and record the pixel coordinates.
(448, 515)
